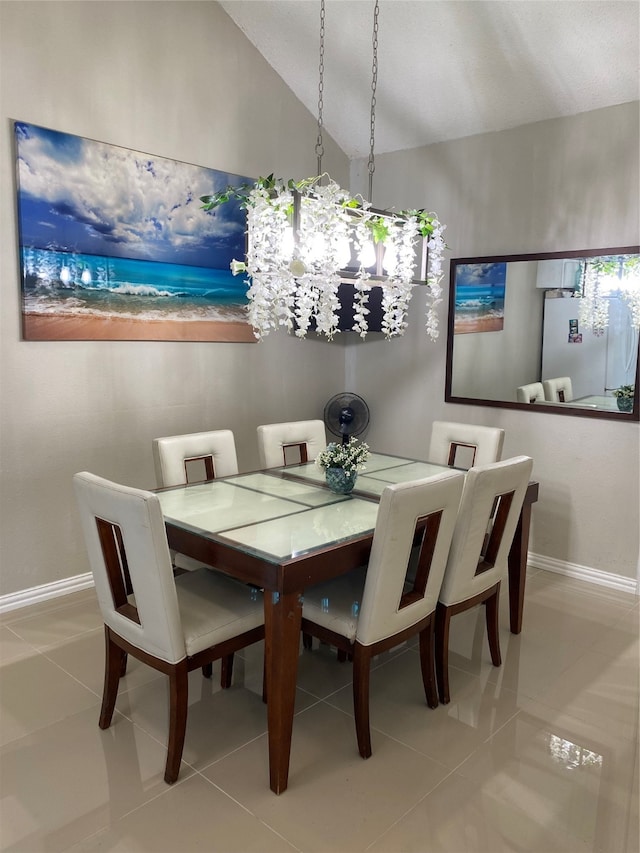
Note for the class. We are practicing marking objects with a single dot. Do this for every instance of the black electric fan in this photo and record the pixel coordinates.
(346, 415)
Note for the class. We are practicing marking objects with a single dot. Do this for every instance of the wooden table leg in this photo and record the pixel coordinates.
(282, 614)
(518, 569)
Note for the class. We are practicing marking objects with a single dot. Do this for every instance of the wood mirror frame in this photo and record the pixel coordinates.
(569, 408)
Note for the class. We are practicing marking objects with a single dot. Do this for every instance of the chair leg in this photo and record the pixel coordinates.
(115, 660)
(443, 619)
(178, 695)
(207, 670)
(427, 664)
(226, 671)
(361, 677)
(307, 641)
(123, 670)
(493, 635)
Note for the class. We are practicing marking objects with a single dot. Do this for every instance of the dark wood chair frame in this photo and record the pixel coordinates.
(425, 537)
(453, 448)
(489, 597)
(117, 649)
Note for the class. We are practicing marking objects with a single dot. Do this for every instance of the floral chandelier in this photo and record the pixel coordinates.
(305, 238)
(605, 277)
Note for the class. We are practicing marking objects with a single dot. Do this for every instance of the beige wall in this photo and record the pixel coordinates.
(554, 185)
(177, 80)
(189, 86)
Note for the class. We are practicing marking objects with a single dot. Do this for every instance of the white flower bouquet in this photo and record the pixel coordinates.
(351, 456)
(624, 391)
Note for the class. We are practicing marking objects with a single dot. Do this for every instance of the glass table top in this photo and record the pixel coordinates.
(265, 515)
(287, 512)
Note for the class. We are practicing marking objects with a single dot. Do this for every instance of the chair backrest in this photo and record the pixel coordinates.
(558, 390)
(193, 457)
(419, 515)
(307, 437)
(531, 393)
(489, 511)
(483, 444)
(126, 543)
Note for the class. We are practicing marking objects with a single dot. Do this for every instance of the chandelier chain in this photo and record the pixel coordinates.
(374, 84)
(319, 143)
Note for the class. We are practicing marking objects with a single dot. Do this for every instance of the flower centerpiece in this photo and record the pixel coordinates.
(624, 396)
(341, 462)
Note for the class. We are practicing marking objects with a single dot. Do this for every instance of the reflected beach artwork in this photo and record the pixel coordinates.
(114, 244)
(479, 298)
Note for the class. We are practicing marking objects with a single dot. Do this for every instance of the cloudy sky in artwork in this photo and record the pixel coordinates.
(84, 196)
(481, 275)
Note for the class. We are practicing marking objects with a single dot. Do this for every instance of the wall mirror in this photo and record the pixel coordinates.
(555, 332)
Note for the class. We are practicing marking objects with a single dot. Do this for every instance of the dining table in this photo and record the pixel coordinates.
(283, 530)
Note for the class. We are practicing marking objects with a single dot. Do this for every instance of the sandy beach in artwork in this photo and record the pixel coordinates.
(487, 323)
(47, 327)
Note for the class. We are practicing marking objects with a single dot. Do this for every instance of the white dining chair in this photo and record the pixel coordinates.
(373, 609)
(558, 390)
(174, 625)
(191, 458)
(531, 393)
(489, 511)
(278, 442)
(195, 456)
(450, 442)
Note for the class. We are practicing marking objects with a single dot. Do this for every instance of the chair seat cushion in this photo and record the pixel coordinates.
(215, 608)
(335, 604)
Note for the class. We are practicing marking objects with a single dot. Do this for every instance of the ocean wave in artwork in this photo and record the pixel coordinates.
(73, 306)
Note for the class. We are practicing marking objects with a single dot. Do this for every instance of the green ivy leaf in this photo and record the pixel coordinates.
(379, 229)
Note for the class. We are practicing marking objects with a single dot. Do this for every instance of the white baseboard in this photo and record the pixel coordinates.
(46, 592)
(583, 573)
(49, 591)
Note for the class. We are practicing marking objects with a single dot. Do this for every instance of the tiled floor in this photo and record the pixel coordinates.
(539, 755)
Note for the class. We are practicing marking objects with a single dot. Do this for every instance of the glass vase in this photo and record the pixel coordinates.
(340, 481)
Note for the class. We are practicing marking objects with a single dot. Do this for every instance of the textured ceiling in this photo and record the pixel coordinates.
(448, 68)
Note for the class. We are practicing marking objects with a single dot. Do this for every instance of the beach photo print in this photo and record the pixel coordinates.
(114, 244)
(479, 297)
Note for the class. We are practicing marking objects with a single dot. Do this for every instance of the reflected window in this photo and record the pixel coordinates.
(572, 755)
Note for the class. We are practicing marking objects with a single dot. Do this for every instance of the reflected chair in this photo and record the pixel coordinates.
(531, 393)
(304, 438)
(479, 444)
(174, 625)
(375, 608)
(487, 520)
(558, 390)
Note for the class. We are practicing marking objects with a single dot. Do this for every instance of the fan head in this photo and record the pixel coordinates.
(345, 415)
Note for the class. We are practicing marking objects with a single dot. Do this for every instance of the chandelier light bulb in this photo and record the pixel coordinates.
(344, 251)
(86, 276)
(288, 242)
(390, 260)
(65, 275)
(368, 254)
(317, 248)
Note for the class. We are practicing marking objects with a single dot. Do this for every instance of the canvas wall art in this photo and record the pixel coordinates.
(114, 246)
(479, 297)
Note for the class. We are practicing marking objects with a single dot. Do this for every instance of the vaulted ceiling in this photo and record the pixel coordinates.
(447, 68)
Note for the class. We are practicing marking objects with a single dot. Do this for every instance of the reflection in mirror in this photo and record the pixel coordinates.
(554, 332)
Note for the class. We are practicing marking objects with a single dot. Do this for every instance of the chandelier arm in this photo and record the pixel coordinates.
(374, 85)
(319, 142)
